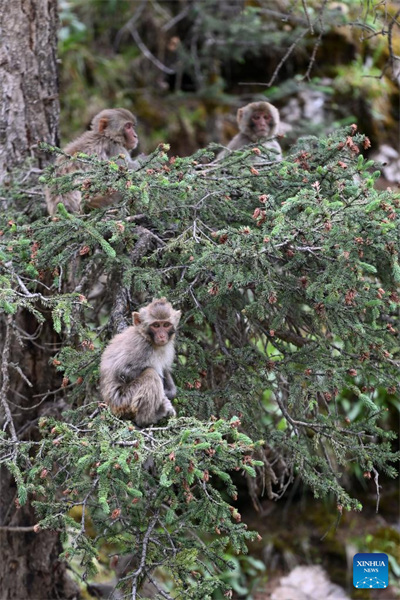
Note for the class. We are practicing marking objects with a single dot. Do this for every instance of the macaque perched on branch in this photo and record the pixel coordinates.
(257, 122)
(135, 369)
(112, 133)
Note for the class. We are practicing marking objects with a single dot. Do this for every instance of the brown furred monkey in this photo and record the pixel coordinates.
(257, 122)
(135, 368)
(112, 133)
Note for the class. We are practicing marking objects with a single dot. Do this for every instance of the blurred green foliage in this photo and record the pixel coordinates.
(152, 57)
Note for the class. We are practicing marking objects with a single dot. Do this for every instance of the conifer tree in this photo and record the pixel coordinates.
(287, 276)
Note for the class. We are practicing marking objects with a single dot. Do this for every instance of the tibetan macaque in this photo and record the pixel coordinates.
(257, 122)
(112, 133)
(135, 369)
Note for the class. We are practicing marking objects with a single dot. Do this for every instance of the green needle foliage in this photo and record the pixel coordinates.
(151, 494)
(287, 274)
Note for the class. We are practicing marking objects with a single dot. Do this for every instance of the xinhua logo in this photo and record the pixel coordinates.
(371, 570)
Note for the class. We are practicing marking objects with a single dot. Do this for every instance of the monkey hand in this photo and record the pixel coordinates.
(171, 412)
(168, 409)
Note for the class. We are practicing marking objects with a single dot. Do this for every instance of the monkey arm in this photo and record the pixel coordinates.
(236, 143)
(128, 372)
(273, 145)
(240, 140)
(169, 385)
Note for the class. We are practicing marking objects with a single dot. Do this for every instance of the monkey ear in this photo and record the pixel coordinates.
(239, 115)
(103, 124)
(177, 315)
(136, 318)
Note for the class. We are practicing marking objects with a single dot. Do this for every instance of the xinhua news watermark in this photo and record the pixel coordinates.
(371, 570)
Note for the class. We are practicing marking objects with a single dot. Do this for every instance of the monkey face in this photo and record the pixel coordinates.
(261, 123)
(161, 332)
(130, 136)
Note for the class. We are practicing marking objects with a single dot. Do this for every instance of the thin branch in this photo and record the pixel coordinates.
(21, 374)
(129, 24)
(17, 529)
(6, 381)
(144, 49)
(291, 337)
(317, 43)
(142, 563)
(159, 589)
(392, 56)
(378, 495)
(176, 19)
(286, 56)
(310, 25)
(334, 525)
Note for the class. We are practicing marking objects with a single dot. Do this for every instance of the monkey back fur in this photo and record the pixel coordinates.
(105, 140)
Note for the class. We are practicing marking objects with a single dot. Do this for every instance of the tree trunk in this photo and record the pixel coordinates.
(29, 112)
(29, 103)
(29, 564)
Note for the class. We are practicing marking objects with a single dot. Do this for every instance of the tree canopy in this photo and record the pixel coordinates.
(287, 275)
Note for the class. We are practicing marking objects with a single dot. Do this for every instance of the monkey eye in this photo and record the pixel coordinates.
(167, 324)
(156, 325)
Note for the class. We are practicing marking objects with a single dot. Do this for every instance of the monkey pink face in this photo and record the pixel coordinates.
(131, 139)
(161, 332)
(261, 123)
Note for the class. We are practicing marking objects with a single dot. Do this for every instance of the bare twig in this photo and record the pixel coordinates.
(6, 381)
(378, 495)
(176, 19)
(286, 56)
(142, 564)
(310, 25)
(317, 43)
(21, 374)
(127, 27)
(162, 592)
(144, 49)
(392, 56)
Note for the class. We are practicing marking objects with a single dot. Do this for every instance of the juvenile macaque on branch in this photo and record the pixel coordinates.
(112, 133)
(135, 369)
(258, 122)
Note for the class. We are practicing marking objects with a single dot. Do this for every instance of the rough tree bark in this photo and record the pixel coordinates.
(29, 112)
(29, 103)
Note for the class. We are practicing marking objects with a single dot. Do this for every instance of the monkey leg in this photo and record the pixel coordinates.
(169, 385)
(165, 410)
(148, 403)
(71, 201)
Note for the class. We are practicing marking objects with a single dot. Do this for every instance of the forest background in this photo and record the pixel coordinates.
(287, 276)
